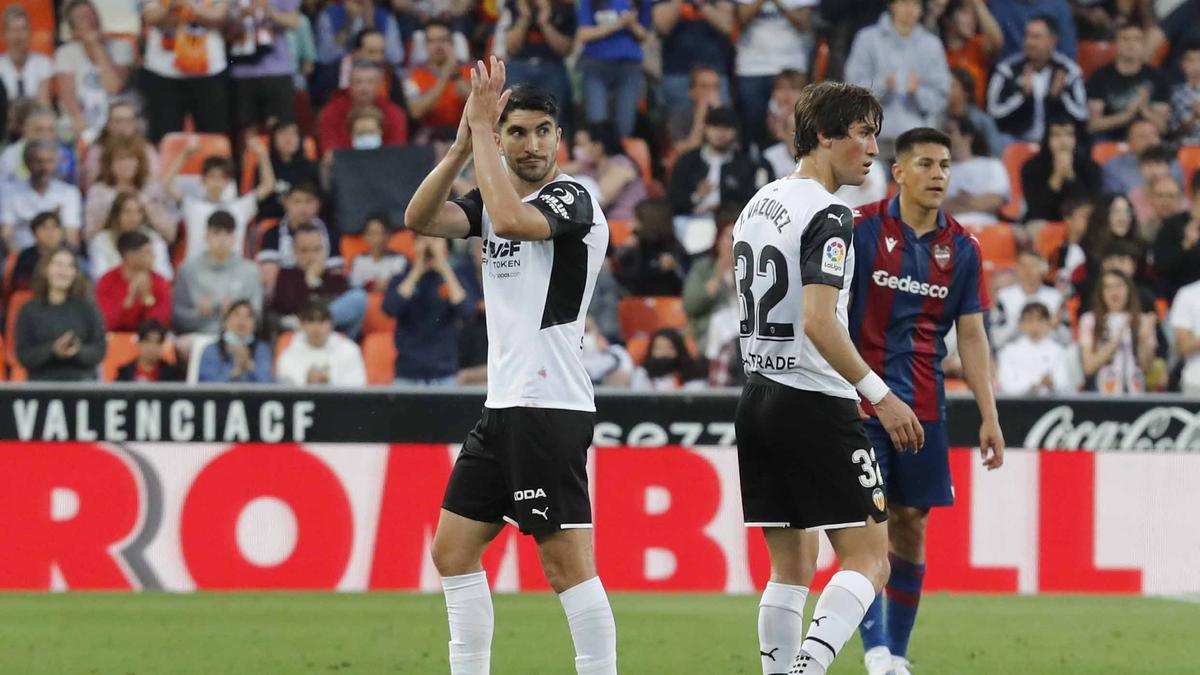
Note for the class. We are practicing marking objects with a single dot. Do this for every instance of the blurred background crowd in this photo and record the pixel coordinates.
(213, 190)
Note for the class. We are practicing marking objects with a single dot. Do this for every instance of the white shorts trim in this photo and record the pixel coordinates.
(835, 526)
(767, 524)
(575, 526)
(510, 521)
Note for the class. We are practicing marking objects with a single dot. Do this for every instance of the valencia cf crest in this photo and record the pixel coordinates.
(877, 498)
(941, 255)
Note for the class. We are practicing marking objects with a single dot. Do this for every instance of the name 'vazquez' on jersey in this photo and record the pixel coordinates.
(537, 295)
(792, 233)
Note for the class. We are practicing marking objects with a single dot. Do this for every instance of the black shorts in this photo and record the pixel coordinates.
(804, 459)
(527, 466)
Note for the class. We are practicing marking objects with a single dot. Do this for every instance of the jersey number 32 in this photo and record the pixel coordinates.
(755, 312)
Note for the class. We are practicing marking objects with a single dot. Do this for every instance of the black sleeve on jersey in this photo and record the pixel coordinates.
(472, 204)
(567, 207)
(833, 222)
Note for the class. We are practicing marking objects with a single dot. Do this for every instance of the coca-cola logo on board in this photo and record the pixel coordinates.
(1164, 429)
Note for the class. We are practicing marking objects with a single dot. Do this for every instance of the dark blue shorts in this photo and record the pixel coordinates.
(921, 480)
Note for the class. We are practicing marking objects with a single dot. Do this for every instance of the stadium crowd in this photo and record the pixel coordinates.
(168, 209)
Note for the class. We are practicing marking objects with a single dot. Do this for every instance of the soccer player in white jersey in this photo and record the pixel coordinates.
(805, 462)
(525, 462)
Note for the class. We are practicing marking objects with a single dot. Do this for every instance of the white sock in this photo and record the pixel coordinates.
(838, 612)
(469, 607)
(780, 625)
(592, 628)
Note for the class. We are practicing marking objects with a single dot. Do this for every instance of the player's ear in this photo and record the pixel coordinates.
(898, 170)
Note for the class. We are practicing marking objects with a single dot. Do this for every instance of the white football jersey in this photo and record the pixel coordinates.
(792, 233)
(536, 295)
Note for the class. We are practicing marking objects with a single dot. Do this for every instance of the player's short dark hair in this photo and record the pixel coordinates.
(216, 163)
(150, 327)
(130, 242)
(906, 141)
(222, 220)
(1156, 154)
(315, 311)
(830, 109)
(45, 218)
(529, 97)
(1035, 310)
(1050, 22)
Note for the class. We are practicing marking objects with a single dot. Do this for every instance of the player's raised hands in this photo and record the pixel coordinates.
(488, 96)
(902, 425)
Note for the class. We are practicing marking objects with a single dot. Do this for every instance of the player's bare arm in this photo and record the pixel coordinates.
(428, 212)
(833, 342)
(977, 370)
(511, 217)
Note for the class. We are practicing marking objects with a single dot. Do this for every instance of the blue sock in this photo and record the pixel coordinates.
(872, 628)
(903, 596)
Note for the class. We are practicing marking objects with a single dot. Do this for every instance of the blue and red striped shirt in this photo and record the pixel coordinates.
(906, 295)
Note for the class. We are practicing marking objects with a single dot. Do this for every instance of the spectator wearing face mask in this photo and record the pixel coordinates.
(668, 365)
(237, 356)
(334, 122)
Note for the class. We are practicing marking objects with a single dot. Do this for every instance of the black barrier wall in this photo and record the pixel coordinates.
(208, 413)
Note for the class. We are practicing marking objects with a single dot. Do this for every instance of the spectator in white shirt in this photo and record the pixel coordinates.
(23, 73)
(24, 199)
(1012, 300)
(372, 270)
(89, 69)
(980, 186)
(1185, 323)
(318, 355)
(218, 175)
(1033, 363)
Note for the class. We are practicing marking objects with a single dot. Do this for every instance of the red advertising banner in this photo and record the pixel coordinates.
(361, 516)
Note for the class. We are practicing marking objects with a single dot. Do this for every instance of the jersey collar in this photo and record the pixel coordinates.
(893, 211)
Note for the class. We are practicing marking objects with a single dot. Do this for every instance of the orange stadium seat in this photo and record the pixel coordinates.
(379, 353)
(1189, 160)
(17, 373)
(999, 245)
(1106, 150)
(639, 152)
(1092, 55)
(640, 315)
(375, 321)
(1049, 237)
(41, 24)
(351, 246)
(1014, 157)
(173, 144)
(820, 67)
(250, 161)
(402, 243)
(619, 232)
(281, 343)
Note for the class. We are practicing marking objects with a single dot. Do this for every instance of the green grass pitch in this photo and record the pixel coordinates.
(286, 633)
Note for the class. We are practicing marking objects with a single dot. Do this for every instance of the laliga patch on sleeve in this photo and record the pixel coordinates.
(833, 259)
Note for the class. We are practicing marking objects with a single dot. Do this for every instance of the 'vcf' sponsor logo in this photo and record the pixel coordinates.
(502, 249)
